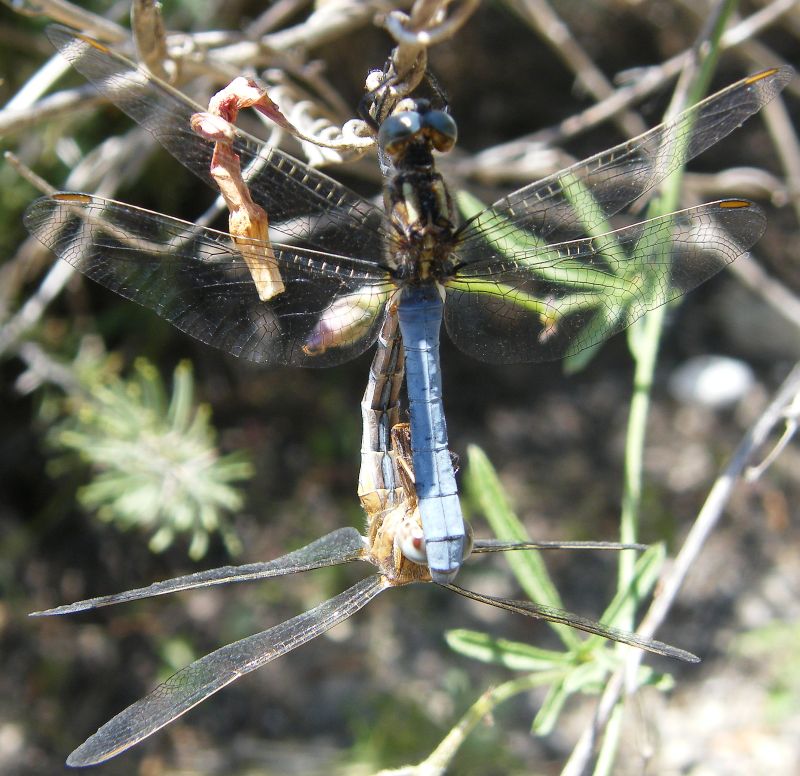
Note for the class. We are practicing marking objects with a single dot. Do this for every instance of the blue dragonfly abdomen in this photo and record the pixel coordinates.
(420, 313)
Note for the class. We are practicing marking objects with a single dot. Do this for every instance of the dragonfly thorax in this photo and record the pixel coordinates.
(419, 207)
(422, 220)
(423, 223)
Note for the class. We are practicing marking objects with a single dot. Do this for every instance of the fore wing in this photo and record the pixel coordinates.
(198, 279)
(303, 204)
(577, 201)
(544, 303)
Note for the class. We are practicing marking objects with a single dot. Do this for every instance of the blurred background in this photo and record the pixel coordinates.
(382, 689)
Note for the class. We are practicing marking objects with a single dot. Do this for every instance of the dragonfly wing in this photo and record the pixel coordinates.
(197, 279)
(499, 545)
(577, 201)
(340, 546)
(541, 304)
(303, 204)
(551, 614)
(204, 677)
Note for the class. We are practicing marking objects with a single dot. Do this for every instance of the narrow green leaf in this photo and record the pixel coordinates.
(577, 362)
(513, 655)
(149, 384)
(586, 677)
(484, 487)
(546, 719)
(647, 676)
(592, 218)
(180, 406)
(646, 572)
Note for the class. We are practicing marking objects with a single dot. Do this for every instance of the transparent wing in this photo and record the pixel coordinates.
(303, 204)
(198, 280)
(551, 614)
(480, 546)
(204, 677)
(540, 304)
(340, 546)
(577, 201)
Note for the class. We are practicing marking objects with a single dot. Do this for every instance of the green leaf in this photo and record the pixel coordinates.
(646, 573)
(180, 406)
(484, 488)
(586, 678)
(513, 655)
(546, 719)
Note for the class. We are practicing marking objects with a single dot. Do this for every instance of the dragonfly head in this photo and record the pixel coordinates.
(415, 123)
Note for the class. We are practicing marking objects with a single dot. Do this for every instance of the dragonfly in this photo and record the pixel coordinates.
(538, 275)
(393, 544)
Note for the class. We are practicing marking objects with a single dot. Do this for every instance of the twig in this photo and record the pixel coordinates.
(106, 162)
(33, 309)
(150, 38)
(54, 106)
(784, 135)
(273, 16)
(73, 16)
(329, 22)
(651, 80)
(701, 529)
(772, 291)
(558, 36)
(26, 173)
(427, 24)
(43, 368)
(750, 182)
(38, 84)
(437, 762)
(792, 415)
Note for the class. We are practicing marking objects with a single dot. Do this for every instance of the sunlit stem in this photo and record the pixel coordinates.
(643, 338)
(441, 757)
(645, 352)
(484, 486)
(608, 754)
(644, 335)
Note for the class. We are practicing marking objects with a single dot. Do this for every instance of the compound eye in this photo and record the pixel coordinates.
(396, 132)
(411, 542)
(441, 128)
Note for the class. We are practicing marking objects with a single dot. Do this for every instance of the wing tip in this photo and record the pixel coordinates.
(781, 75)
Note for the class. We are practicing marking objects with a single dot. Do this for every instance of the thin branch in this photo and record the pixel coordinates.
(73, 16)
(649, 81)
(787, 147)
(701, 529)
(50, 108)
(772, 291)
(43, 368)
(150, 38)
(329, 22)
(544, 20)
(102, 170)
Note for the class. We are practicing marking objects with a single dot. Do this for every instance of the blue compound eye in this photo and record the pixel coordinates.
(441, 129)
(398, 130)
